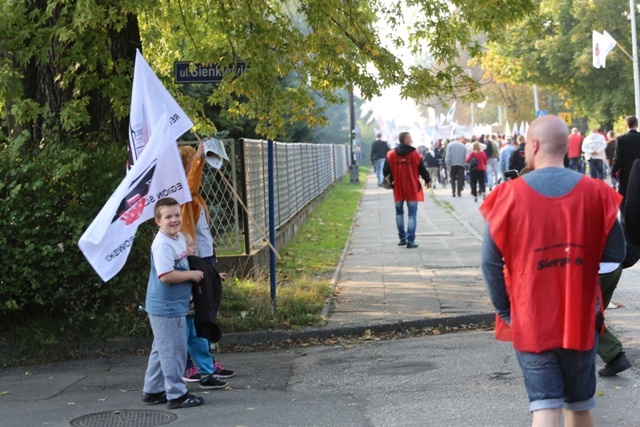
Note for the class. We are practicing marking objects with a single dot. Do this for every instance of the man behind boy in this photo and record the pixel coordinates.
(167, 304)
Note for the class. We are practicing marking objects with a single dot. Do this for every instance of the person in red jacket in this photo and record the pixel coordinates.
(575, 150)
(477, 170)
(405, 166)
(547, 233)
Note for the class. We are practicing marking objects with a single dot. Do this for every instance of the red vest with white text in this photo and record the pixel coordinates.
(406, 182)
(552, 248)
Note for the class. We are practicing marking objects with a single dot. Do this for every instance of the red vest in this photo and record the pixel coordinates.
(552, 248)
(406, 182)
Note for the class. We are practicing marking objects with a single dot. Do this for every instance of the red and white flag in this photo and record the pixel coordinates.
(149, 101)
(602, 45)
(157, 174)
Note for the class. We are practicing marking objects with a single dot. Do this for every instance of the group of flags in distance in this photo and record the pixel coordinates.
(154, 171)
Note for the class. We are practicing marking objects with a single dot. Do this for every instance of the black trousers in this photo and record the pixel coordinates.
(457, 178)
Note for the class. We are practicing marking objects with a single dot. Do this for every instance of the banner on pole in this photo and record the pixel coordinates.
(149, 101)
(157, 174)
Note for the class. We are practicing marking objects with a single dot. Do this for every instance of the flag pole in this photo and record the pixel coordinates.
(634, 48)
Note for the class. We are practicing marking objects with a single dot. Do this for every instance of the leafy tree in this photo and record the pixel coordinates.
(65, 84)
(553, 48)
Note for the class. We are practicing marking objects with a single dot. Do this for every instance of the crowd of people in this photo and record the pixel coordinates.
(552, 280)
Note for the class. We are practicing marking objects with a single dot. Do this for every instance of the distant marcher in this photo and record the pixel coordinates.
(627, 151)
(505, 156)
(517, 160)
(593, 146)
(379, 150)
(405, 166)
(543, 278)
(575, 150)
(432, 164)
(454, 158)
(477, 172)
(493, 162)
(609, 153)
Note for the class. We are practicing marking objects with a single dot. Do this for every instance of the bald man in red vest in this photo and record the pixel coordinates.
(547, 233)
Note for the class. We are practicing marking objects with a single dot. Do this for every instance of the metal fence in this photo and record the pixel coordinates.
(301, 173)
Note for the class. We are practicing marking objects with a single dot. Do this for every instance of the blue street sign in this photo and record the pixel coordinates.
(205, 73)
(541, 113)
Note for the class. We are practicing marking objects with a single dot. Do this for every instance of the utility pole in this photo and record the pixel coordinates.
(353, 167)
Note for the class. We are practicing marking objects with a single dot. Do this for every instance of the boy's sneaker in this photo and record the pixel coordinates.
(191, 375)
(210, 382)
(186, 401)
(220, 372)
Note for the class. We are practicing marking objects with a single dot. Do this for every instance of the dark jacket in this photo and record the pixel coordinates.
(207, 295)
(379, 150)
(517, 161)
(627, 151)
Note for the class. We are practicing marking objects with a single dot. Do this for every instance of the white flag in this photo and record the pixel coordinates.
(157, 174)
(522, 130)
(602, 45)
(149, 101)
(451, 112)
(515, 129)
(483, 104)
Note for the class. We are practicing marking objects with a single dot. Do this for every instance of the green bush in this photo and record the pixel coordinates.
(49, 197)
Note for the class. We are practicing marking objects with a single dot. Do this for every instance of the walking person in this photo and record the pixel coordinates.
(379, 150)
(594, 146)
(505, 155)
(627, 151)
(493, 163)
(477, 161)
(454, 159)
(405, 166)
(432, 164)
(575, 150)
(609, 153)
(543, 279)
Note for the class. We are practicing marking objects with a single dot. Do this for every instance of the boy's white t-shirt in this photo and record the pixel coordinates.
(165, 299)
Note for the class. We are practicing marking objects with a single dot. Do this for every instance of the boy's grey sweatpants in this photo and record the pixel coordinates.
(168, 356)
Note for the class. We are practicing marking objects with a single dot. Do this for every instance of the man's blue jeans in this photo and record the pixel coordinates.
(379, 166)
(412, 207)
(596, 168)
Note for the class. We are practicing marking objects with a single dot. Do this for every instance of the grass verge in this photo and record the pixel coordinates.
(304, 272)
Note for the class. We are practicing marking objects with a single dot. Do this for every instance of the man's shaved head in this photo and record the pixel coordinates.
(551, 136)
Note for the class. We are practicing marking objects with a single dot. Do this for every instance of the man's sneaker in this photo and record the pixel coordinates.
(210, 382)
(617, 365)
(402, 242)
(186, 401)
(220, 372)
(154, 397)
(191, 375)
(412, 245)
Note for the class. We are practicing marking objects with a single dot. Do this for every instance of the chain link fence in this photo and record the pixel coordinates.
(301, 173)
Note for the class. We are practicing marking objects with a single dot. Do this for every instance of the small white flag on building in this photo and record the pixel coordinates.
(149, 101)
(602, 45)
(157, 174)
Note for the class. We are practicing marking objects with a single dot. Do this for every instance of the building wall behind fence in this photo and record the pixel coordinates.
(302, 172)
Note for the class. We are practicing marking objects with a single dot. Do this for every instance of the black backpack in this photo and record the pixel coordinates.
(473, 164)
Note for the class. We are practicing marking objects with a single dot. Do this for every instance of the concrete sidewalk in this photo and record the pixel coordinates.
(380, 281)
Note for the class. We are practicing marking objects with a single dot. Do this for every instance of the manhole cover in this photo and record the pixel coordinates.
(125, 418)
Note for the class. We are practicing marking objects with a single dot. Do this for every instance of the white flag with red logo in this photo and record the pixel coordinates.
(602, 45)
(149, 101)
(157, 174)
